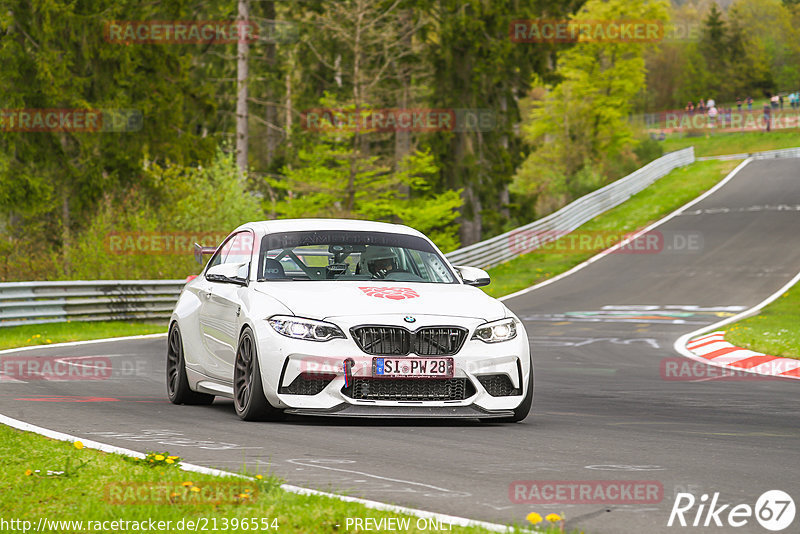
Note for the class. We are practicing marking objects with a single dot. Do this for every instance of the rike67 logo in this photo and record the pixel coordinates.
(391, 293)
(774, 510)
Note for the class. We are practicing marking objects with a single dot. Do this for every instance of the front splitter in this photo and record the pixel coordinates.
(409, 412)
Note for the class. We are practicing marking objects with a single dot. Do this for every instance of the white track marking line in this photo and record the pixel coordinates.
(453, 520)
(631, 237)
(306, 463)
(78, 343)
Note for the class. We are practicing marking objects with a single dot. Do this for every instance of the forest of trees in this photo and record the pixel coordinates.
(559, 116)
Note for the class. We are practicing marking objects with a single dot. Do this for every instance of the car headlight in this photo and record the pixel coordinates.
(496, 331)
(299, 328)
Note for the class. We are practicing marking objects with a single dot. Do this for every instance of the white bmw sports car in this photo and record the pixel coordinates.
(345, 318)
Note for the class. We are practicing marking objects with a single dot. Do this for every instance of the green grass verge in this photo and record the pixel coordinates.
(44, 334)
(666, 195)
(95, 486)
(734, 142)
(774, 331)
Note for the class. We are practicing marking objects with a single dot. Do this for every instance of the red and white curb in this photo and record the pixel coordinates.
(716, 351)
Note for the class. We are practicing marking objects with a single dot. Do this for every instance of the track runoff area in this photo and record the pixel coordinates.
(616, 443)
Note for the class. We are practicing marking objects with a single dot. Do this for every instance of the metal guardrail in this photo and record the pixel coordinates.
(94, 300)
(99, 300)
(767, 154)
(532, 236)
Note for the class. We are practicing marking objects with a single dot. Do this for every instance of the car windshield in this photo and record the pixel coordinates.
(350, 256)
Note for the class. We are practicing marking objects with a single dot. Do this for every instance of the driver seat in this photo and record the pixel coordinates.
(273, 270)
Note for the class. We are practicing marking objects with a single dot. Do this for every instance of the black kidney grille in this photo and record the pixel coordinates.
(394, 340)
(438, 341)
(384, 340)
(450, 389)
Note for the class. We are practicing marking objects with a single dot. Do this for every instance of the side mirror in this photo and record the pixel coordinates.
(472, 276)
(231, 273)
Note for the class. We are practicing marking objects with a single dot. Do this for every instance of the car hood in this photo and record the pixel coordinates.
(321, 299)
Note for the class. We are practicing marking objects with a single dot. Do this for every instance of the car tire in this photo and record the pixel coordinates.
(248, 390)
(178, 389)
(521, 411)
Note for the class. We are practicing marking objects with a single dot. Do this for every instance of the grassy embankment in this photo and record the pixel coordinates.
(43, 479)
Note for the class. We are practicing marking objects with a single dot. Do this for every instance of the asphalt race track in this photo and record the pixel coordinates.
(604, 408)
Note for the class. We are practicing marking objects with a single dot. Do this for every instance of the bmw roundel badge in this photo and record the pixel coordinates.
(409, 319)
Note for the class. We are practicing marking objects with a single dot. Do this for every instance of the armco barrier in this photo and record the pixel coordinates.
(767, 154)
(49, 302)
(531, 236)
(95, 300)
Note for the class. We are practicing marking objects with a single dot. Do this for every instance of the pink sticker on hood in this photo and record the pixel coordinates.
(392, 293)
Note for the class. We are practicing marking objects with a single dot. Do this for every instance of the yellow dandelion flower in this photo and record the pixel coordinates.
(173, 494)
(159, 457)
(49, 340)
(195, 489)
(187, 483)
(169, 461)
(28, 472)
(534, 518)
(247, 490)
(172, 457)
(244, 496)
(259, 477)
(78, 444)
(553, 517)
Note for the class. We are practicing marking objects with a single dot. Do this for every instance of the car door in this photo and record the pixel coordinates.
(221, 306)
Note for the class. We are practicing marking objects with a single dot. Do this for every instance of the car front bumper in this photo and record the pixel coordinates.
(283, 360)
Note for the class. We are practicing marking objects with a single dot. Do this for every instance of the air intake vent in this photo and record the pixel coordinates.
(498, 385)
(426, 389)
(308, 384)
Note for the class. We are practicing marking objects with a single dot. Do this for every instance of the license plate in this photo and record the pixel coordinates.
(412, 367)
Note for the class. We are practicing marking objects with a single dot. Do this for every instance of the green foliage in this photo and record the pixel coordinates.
(334, 178)
(580, 126)
(750, 49)
(182, 201)
(647, 150)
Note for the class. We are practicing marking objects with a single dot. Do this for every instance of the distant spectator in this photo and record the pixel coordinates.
(710, 103)
(767, 116)
(712, 116)
(701, 106)
(780, 100)
(690, 108)
(774, 101)
(727, 117)
(749, 103)
(738, 104)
